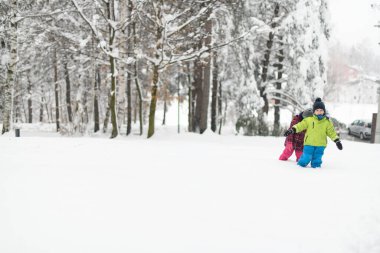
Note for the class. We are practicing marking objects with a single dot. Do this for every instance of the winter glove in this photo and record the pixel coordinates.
(290, 131)
(338, 144)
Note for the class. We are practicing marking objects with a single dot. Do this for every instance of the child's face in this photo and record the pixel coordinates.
(319, 112)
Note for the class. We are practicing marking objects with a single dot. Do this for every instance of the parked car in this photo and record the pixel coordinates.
(361, 129)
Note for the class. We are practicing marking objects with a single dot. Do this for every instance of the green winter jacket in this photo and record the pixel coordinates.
(316, 131)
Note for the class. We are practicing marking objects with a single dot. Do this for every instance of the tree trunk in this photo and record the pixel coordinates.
(205, 100)
(2, 85)
(68, 93)
(129, 105)
(56, 92)
(266, 62)
(190, 112)
(262, 114)
(25, 110)
(135, 106)
(130, 48)
(206, 81)
(164, 118)
(115, 130)
(30, 101)
(112, 33)
(214, 94)
(190, 95)
(42, 105)
(107, 117)
(139, 92)
(96, 101)
(17, 102)
(165, 95)
(85, 117)
(41, 112)
(138, 88)
(220, 108)
(280, 56)
(48, 114)
(179, 107)
(153, 102)
(197, 95)
(11, 73)
(122, 78)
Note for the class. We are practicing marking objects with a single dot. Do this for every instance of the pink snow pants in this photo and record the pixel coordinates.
(288, 151)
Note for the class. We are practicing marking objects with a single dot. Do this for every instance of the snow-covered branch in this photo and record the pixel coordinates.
(173, 59)
(89, 23)
(174, 30)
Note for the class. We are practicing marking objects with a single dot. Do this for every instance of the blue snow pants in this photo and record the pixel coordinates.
(311, 154)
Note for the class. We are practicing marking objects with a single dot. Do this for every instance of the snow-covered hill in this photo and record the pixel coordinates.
(185, 193)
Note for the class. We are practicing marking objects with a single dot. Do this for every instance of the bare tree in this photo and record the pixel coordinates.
(12, 68)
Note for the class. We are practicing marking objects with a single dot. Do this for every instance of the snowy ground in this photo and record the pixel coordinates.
(185, 193)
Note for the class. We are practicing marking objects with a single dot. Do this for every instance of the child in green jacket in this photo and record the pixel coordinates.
(317, 129)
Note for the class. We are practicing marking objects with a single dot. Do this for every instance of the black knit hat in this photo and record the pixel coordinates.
(318, 104)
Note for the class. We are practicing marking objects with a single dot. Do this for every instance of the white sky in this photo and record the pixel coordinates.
(353, 22)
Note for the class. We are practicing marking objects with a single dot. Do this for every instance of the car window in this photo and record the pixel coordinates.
(361, 123)
(354, 123)
(369, 125)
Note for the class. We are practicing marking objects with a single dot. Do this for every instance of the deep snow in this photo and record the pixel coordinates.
(185, 193)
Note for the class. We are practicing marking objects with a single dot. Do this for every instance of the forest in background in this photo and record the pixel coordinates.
(94, 65)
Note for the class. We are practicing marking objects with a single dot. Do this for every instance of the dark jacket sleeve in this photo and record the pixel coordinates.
(290, 138)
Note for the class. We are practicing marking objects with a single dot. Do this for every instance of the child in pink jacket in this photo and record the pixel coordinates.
(294, 142)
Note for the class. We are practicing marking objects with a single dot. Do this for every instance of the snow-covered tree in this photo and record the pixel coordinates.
(238, 66)
(180, 31)
(306, 31)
